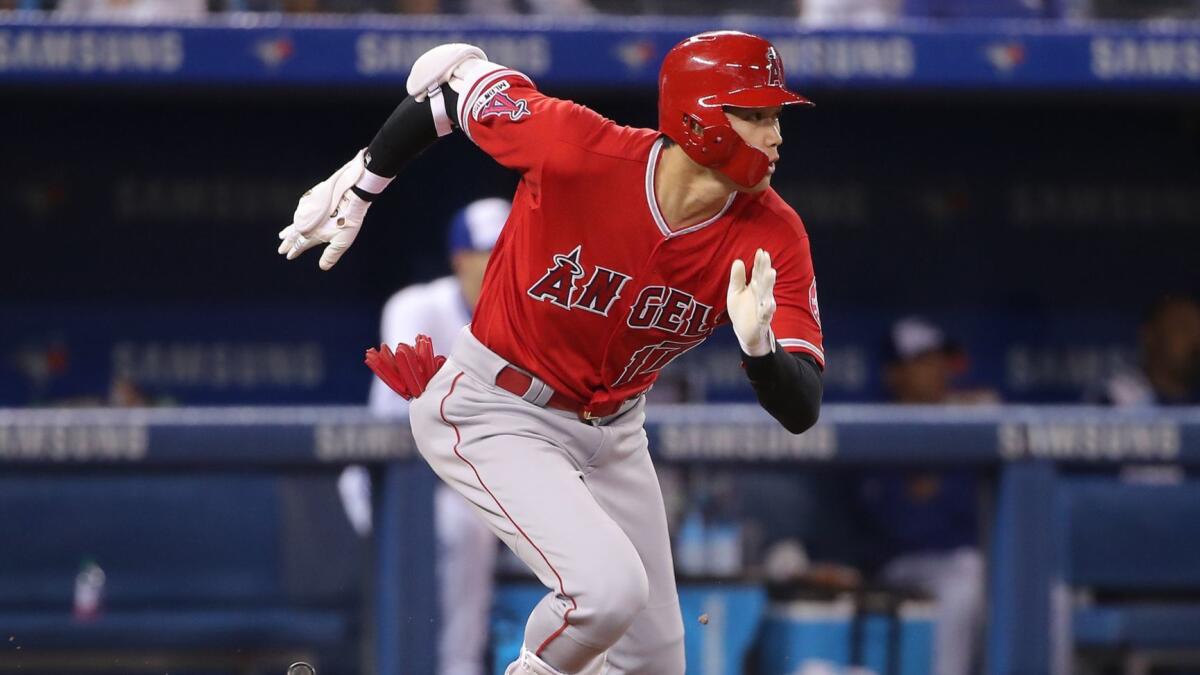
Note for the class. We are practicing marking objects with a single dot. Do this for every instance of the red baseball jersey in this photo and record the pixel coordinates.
(587, 287)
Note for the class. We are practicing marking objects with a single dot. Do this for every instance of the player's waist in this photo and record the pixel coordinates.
(478, 360)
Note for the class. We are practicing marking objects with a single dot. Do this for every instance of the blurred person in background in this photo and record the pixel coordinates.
(1132, 9)
(333, 6)
(469, 7)
(133, 10)
(909, 530)
(921, 365)
(502, 7)
(466, 547)
(923, 525)
(849, 12)
(1168, 369)
(708, 8)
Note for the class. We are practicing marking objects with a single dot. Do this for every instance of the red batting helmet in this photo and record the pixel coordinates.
(703, 74)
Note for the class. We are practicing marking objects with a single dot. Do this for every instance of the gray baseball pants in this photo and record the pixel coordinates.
(579, 503)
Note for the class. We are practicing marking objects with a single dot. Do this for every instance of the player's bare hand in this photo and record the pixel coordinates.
(330, 213)
(751, 305)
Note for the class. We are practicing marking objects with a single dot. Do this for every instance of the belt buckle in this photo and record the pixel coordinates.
(587, 415)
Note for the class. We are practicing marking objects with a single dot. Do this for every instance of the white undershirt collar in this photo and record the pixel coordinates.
(652, 201)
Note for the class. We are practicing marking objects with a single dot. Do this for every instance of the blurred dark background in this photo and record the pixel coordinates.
(1034, 225)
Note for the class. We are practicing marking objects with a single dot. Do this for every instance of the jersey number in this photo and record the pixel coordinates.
(652, 358)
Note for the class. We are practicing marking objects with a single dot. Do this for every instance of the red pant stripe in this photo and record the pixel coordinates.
(561, 589)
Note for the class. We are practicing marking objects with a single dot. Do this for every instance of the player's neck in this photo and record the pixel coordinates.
(687, 193)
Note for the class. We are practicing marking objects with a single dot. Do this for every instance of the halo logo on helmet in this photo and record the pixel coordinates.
(699, 78)
(774, 72)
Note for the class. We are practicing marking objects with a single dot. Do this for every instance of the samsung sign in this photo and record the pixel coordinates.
(395, 53)
(1091, 441)
(1146, 58)
(745, 442)
(73, 443)
(849, 57)
(91, 51)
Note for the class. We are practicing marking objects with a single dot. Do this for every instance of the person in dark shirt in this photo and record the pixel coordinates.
(1168, 369)
(923, 525)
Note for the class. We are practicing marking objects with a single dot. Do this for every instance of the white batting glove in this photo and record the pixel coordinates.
(752, 305)
(329, 213)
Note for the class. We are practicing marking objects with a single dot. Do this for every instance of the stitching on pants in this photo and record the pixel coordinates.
(561, 588)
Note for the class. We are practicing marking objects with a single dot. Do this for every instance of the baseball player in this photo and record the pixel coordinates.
(466, 548)
(625, 248)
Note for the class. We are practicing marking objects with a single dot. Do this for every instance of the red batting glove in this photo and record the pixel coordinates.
(433, 361)
(407, 370)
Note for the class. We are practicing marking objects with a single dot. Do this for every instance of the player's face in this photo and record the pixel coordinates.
(921, 379)
(1172, 341)
(759, 127)
(469, 267)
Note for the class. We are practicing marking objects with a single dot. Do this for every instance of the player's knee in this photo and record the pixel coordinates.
(613, 604)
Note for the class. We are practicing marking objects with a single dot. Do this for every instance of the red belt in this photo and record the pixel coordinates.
(514, 381)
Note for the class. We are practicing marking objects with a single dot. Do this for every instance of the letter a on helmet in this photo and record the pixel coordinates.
(705, 73)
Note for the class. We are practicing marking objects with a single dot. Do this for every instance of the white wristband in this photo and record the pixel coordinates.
(373, 182)
(441, 118)
(759, 349)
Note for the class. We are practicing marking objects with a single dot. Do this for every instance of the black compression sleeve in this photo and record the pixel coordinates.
(408, 131)
(788, 386)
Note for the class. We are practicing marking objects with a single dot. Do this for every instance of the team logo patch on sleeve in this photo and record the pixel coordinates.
(494, 102)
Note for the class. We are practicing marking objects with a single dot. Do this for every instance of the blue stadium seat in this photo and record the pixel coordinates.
(1131, 537)
(209, 562)
(1136, 548)
(1137, 626)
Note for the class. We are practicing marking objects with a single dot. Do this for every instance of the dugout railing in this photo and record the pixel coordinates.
(1046, 461)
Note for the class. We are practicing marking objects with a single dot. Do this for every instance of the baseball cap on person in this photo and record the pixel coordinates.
(914, 336)
(476, 226)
